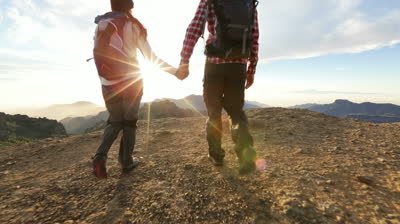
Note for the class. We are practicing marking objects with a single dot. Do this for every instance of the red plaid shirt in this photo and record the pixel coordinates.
(195, 31)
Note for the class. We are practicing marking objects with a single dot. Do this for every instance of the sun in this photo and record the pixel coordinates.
(148, 68)
(156, 81)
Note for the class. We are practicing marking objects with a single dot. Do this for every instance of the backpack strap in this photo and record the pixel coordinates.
(209, 5)
(137, 22)
(256, 3)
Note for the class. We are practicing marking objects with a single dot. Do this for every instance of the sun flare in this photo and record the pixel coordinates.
(156, 82)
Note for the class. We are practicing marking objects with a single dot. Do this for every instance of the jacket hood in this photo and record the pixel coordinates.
(109, 15)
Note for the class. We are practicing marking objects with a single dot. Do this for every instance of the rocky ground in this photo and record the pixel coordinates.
(319, 169)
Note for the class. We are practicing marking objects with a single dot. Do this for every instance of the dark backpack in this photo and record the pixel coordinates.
(112, 62)
(234, 26)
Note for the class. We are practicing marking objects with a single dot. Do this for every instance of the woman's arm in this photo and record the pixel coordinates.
(149, 55)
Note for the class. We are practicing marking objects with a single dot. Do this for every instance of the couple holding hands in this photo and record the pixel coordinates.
(232, 55)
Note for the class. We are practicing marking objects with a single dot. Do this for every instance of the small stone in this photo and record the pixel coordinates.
(329, 182)
(31, 209)
(128, 213)
(299, 151)
(365, 180)
(332, 211)
(335, 149)
(392, 216)
(381, 160)
(383, 144)
(69, 222)
(378, 209)
(295, 212)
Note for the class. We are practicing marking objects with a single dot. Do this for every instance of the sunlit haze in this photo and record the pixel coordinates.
(311, 51)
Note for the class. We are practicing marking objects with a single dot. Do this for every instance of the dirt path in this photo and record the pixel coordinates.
(319, 170)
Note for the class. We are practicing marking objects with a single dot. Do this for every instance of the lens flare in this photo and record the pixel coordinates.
(261, 164)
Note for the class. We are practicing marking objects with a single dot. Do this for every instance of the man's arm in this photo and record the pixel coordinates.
(194, 32)
(251, 70)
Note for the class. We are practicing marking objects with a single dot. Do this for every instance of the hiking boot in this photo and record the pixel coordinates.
(247, 160)
(127, 169)
(247, 167)
(216, 161)
(99, 168)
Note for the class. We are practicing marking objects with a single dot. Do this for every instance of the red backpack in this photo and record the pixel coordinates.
(112, 62)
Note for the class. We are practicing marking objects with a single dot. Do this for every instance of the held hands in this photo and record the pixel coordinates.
(171, 70)
(182, 72)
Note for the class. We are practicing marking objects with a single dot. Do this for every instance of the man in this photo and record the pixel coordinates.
(229, 70)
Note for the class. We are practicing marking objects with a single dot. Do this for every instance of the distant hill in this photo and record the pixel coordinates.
(79, 125)
(196, 102)
(373, 112)
(14, 127)
(375, 118)
(189, 106)
(158, 109)
(61, 111)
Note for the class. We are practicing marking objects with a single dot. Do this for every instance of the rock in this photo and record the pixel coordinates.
(128, 213)
(296, 212)
(335, 149)
(69, 222)
(332, 210)
(382, 160)
(365, 180)
(378, 209)
(11, 163)
(392, 216)
(329, 182)
(383, 144)
(299, 151)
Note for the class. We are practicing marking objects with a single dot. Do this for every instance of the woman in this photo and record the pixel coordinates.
(117, 37)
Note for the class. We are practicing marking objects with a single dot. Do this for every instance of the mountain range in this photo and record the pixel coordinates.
(158, 109)
(196, 102)
(189, 106)
(372, 112)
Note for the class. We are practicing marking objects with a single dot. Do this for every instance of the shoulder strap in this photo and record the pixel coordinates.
(256, 3)
(137, 22)
(209, 5)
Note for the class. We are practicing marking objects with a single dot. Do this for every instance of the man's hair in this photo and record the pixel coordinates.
(121, 5)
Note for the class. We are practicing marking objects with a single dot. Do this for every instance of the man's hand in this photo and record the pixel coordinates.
(249, 80)
(183, 71)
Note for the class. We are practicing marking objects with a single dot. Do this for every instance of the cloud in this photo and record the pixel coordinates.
(21, 63)
(309, 28)
(289, 29)
(7, 79)
(319, 92)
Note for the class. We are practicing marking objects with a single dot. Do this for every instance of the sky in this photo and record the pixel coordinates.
(311, 51)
